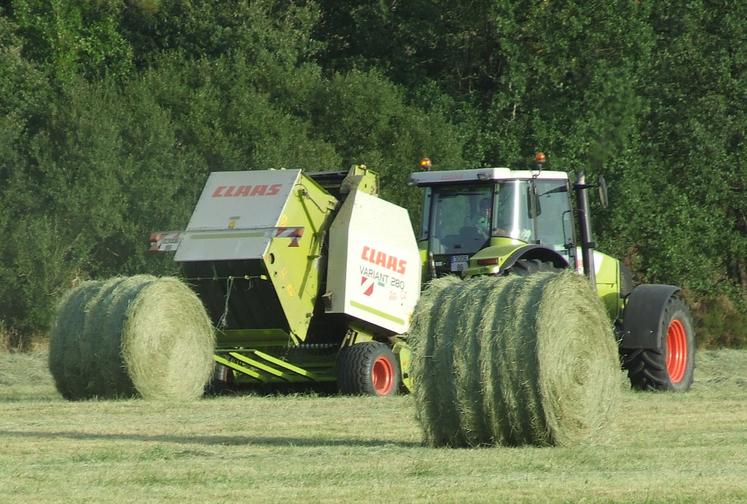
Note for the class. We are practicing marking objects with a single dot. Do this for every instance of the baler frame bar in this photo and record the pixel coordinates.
(168, 241)
(250, 364)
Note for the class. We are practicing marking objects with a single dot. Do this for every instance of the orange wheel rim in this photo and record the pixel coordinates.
(676, 351)
(382, 376)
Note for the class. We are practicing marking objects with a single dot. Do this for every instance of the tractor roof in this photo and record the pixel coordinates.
(481, 175)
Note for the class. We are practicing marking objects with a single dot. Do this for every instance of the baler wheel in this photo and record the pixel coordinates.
(671, 365)
(368, 368)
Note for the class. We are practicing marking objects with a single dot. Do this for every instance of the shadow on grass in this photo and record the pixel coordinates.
(213, 440)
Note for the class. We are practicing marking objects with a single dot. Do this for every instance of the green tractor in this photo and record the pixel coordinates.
(497, 221)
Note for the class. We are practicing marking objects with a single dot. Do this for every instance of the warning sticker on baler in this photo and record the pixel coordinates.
(367, 285)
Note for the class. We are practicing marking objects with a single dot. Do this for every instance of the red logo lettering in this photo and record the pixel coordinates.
(243, 190)
(402, 266)
(380, 258)
(391, 263)
(246, 190)
(259, 190)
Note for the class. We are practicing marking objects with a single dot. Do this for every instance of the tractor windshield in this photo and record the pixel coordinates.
(460, 218)
(552, 212)
(512, 217)
(463, 218)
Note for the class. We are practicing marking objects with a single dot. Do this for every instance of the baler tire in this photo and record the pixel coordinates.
(671, 365)
(368, 368)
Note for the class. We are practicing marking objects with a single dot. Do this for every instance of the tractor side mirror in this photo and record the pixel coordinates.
(602, 186)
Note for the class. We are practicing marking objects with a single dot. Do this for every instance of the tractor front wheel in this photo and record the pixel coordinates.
(368, 368)
(671, 365)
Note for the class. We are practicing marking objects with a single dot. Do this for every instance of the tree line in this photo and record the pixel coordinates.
(113, 112)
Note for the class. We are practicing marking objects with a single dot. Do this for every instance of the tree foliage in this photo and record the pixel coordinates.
(113, 112)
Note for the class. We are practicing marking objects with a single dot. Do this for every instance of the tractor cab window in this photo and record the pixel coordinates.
(511, 216)
(460, 219)
(555, 220)
(463, 218)
(514, 217)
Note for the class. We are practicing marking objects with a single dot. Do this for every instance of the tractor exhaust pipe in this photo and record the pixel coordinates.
(584, 224)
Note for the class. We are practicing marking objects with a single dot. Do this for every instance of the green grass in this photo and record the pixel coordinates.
(684, 448)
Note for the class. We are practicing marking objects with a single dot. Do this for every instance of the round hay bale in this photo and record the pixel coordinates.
(133, 335)
(65, 339)
(108, 368)
(514, 360)
(168, 342)
(92, 340)
(432, 360)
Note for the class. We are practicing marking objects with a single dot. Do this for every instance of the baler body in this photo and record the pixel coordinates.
(292, 267)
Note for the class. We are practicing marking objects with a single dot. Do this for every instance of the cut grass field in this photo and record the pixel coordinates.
(302, 448)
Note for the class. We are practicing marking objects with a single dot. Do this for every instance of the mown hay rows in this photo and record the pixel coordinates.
(513, 361)
(131, 335)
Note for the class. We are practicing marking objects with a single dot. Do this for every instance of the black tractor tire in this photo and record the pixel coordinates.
(368, 368)
(671, 365)
(525, 267)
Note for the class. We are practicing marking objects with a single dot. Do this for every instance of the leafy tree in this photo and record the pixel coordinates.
(689, 185)
(559, 76)
(25, 96)
(368, 120)
(74, 38)
(113, 112)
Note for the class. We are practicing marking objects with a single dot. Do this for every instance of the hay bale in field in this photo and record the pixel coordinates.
(580, 374)
(432, 363)
(136, 334)
(90, 384)
(109, 373)
(514, 360)
(168, 342)
(65, 337)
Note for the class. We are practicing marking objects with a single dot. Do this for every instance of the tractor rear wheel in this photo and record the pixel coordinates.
(368, 368)
(671, 365)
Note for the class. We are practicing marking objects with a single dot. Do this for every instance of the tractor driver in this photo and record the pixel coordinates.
(503, 219)
(476, 227)
(483, 217)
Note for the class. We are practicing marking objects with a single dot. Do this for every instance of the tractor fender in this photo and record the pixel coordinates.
(544, 254)
(642, 317)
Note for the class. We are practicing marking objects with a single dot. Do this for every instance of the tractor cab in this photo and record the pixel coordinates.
(482, 217)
